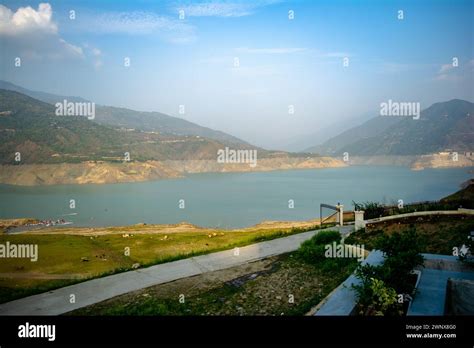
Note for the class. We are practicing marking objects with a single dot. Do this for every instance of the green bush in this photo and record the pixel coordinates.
(310, 252)
(313, 251)
(402, 254)
(326, 237)
(371, 210)
(376, 298)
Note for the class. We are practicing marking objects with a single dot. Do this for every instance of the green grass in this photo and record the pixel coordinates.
(61, 254)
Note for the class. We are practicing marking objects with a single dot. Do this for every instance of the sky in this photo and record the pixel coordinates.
(266, 71)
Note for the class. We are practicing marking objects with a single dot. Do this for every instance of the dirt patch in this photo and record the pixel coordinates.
(190, 286)
(280, 285)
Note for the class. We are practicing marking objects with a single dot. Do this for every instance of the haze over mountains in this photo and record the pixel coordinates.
(30, 126)
(319, 136)
(70, 150)
(444, 126)
(360, 136)
(57, 149)
(126, 118)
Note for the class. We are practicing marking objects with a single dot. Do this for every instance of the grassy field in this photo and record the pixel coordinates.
(265, 289)
(67, 258)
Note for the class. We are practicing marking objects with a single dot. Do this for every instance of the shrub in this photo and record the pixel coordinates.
(312, 250)
(402, 254)
(376, 298)
(372, 209)
(326, 237)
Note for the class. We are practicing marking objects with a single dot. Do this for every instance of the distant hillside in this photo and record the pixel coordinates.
(342, 141)
(464, 197)
(158, 122)
(30, 126)
(126, 118)
(307, 142)
(442, 126)
(45, 97)
(75, 150)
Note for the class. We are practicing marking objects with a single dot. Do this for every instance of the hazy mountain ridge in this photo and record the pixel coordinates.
(445, 126)
(30, 126)
(75, 150)
(158, 122)
(127, 118)
(43, 96)
(306, 142)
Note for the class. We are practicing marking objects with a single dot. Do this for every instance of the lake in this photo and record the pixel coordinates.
(229, 200)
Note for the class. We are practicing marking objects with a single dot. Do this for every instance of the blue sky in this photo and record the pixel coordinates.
(282, 61)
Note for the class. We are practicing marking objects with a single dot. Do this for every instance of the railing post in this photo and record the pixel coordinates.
(359, 222)
(340, 214)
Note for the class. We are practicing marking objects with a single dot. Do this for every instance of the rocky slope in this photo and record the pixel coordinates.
(439, 160)
(106, 172)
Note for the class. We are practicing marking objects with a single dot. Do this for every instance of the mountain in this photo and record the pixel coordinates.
(45, 97)
(126, 118)
(158, 122)
(31, 127)
(366, 130)
(445, 126)
(307, 142)
(57, 149)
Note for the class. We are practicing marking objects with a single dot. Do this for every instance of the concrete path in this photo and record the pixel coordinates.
(57, 302)
(430, 298)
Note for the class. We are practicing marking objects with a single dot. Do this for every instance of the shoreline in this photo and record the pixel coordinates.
(143, 228)
(97, 172)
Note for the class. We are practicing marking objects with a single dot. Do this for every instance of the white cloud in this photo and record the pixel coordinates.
(96, 52)
(445, 68)
(255, 71)
(71, 48)
(98, 63)
(388, 67)
(140, 23)
(131, 22)
(281, 50)
(449, 72)
(27, 20)
(224, 8)
(33, 34)
(337, 55)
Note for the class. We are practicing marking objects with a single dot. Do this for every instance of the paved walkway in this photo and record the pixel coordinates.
(57, 302)
(430, 298)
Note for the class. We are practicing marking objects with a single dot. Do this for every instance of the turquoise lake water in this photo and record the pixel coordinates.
(229, 200)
